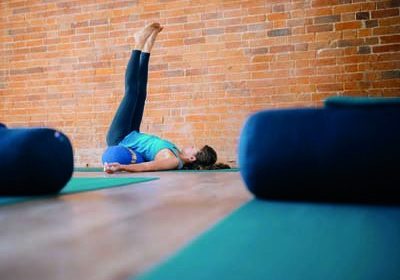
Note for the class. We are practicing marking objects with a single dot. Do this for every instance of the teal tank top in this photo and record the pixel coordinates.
(149, 145)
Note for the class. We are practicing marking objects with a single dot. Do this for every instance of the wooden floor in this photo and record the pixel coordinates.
(113, 233)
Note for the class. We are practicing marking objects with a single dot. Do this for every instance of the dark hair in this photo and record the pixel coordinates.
(206, 160)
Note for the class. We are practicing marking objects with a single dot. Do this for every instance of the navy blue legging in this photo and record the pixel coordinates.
(130, 112)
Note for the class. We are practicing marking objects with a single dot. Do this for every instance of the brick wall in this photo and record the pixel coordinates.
(62, 63)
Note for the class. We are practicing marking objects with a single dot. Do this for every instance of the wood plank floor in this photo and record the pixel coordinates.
(113, 233)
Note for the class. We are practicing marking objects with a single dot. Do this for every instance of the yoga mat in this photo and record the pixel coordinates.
(279, 240)
(83, 184)
(88, 169)
(100, 169)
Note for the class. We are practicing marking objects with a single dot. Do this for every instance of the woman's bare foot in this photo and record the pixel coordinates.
(151, 39)
(144, 33)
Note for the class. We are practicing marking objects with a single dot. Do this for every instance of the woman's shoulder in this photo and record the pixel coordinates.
(164, 154)
(171, 153)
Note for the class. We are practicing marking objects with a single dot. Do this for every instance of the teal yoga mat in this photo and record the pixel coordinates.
(88, 169)
(285, 241)
(83, 184)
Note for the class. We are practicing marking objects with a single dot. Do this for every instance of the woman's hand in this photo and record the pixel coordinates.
(110, 168)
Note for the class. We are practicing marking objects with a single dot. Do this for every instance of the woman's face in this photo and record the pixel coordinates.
(190, 151)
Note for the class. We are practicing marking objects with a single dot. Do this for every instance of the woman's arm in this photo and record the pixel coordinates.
(155, 165)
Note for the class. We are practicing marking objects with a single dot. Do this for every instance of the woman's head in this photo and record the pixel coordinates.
(204, 158)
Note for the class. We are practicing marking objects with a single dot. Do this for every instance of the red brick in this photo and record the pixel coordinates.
(318, 12)
(322, 3)
(386, 30)
(284, 48)
(194, 25)
(348, 25)
(330, 87)
(389, 21)
(384, 13)
(386, 48)
(390, 39)
(236, 29)
(325, 61)
(182, 19)
(319, 28)
(388, 4)
(278, 16)
(190, 41)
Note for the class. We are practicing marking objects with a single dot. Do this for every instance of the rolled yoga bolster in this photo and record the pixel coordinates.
(334, 153)
(34, 161)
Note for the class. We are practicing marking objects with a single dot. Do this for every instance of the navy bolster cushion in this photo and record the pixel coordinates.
(34, 161)
(333, 153)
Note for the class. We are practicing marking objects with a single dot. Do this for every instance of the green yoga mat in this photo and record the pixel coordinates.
(83, 184)
(100, 169)
(285, 241)
(88, 169)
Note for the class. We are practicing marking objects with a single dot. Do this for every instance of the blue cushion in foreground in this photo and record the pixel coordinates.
(337, 153)
(34, 161)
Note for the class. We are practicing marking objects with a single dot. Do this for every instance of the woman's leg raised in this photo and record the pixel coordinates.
(143, 76)
(122, 122)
